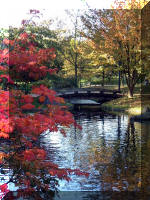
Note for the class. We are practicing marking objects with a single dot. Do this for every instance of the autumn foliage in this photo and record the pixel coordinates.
(117, 34)
(20, 128)
(26, 61)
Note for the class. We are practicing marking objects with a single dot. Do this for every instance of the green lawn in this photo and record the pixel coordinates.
(135, 105)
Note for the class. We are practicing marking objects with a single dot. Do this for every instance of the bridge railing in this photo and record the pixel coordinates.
(88, 92)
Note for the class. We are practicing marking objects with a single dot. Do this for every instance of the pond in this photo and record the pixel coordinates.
(113, 149)
(108, 147)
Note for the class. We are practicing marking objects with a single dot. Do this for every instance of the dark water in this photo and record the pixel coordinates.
(108, 147)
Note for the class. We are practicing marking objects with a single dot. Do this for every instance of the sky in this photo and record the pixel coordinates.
(12, 12)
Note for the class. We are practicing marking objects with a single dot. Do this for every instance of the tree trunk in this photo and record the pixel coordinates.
(131, 86)
(103, 78)
(130, 92)
(76, 75)
(119, 80)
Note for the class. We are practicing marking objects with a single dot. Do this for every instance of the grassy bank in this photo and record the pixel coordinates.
(138, 105)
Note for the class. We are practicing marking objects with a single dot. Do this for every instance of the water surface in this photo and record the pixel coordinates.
(113, 149)
(108, 147)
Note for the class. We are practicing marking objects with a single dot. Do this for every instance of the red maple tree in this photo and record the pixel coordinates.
(19, 130)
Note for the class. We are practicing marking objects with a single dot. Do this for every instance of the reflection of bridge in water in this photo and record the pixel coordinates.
(89, 96)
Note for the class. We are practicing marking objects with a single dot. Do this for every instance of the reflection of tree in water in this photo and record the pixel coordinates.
(119, 162)
(145, 155)
(29, 195)
(23, 174)
(110, 195)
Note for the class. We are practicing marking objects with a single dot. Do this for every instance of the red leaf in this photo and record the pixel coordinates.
(27, 106)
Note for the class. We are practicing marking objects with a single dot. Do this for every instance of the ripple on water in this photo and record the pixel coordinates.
(99, 148)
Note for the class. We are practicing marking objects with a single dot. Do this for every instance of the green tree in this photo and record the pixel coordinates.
(71, 44)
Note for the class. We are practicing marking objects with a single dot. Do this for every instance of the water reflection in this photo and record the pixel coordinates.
(108, 147)
(145, 156)
(112, 148)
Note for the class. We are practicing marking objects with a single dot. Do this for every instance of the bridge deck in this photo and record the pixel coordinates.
(87, 92)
